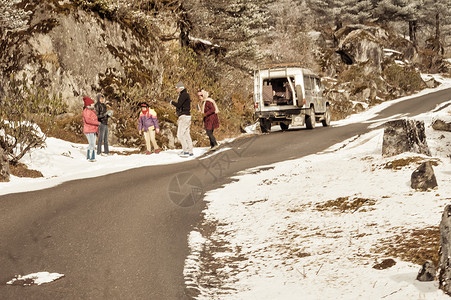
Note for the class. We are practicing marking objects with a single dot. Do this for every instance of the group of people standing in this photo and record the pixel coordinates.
(95, 122)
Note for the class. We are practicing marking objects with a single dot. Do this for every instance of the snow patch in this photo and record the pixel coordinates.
(35, 278)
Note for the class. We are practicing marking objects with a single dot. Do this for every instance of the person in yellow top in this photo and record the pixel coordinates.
(148, 126)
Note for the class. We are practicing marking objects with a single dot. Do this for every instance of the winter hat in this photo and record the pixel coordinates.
(144, 104)
(99, 96)
(88, 101)
(180, 85)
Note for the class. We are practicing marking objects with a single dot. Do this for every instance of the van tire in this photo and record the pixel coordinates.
(284, 126)
(326, 117)
(265, 125)
(310, 119)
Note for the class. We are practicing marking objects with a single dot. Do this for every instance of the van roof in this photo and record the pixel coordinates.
(290, 68)
(281, 65)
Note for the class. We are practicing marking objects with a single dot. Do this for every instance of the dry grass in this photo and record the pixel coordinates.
(126, 153)
(21, 170)
(416, 246)
(344, 204)
(398, 164)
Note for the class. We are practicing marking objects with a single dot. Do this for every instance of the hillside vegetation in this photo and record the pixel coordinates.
(57, 52)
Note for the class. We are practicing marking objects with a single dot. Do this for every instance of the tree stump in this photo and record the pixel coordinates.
(444, 274)
(404, 136)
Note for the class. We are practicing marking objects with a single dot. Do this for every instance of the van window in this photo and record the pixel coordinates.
(317, 84)
(308, 83)
(277, 91)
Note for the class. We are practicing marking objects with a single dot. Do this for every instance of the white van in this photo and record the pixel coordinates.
(289, 95)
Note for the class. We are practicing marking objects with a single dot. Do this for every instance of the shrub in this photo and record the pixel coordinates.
(22, 107)
(403, 78)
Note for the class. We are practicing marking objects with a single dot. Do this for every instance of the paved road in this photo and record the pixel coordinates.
(124, 235)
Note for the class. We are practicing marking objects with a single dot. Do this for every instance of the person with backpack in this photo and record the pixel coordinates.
(183, 110)
(148, 126)
(90, 127)
(209, 110)
(102, 115)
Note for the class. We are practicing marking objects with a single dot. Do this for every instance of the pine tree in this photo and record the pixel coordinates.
(404, 10)
(357, 11)
(233, 24)
(438, 13)
(328, 12)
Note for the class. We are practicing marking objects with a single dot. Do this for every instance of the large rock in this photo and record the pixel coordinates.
(427, 272)
(423, 178)
(361, 44)
(75, 52)
(404, 136)
(444, 274)
(443, 125)
(4, 167)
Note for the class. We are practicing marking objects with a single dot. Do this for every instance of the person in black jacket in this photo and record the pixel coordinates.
(102, 116)
(183, 110)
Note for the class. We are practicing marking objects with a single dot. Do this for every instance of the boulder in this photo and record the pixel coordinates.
(427, 272)
(443, 125)
(385, 264)
(73, 52)
(4, 166)
(423, 178)
(444, 268)
(404, 136)
(361, 44)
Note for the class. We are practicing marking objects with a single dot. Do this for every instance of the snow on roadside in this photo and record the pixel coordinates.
(277, 235)
(35, 278)
(62, 161)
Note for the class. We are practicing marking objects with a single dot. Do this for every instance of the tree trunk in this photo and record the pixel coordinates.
(185, 27)
(413, 32)
(437, 26)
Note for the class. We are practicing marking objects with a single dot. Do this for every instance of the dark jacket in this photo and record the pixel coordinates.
(183, 104)
(101, 112)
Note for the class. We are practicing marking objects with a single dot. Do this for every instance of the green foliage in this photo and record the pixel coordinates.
(406, 79)
(21, 109)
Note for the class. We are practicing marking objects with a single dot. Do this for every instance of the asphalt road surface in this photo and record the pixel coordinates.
(124, 235)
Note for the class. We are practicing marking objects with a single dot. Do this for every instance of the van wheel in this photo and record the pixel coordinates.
(284, 126)
(265, 125)
(326, 117)
(310, 120)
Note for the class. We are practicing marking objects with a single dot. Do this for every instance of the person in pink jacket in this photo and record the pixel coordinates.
(90, 127)
(148, 126)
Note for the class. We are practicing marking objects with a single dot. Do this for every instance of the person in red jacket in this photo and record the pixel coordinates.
(210, 110)
(90, 127)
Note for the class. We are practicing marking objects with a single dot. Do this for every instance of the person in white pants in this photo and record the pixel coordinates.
(183, 110)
